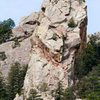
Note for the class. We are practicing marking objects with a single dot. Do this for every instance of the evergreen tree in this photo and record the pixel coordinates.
(16, 79)
(33, 95)
(85, 60)
(58, 93)
(2, 89)
(69, 94)
(63, 94)
(87, 69)
(6, 30)
(89, 86)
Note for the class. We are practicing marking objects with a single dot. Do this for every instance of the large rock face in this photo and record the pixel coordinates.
(19, 54)
(18, 48)
(60, 32)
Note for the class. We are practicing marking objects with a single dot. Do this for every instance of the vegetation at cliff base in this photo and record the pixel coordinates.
(63, 94)
(86, 59)
(89, 86)
(33, 95)
(3, 93)
(2, 56)
(87, 75)
(87, 71)
(16, 77)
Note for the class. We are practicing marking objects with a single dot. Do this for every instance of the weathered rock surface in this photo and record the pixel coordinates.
(54, 42)
(48, 41)
(19, 54)
(19, 46)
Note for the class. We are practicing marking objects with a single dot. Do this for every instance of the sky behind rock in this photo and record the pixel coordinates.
(93, 15)
(15, 9)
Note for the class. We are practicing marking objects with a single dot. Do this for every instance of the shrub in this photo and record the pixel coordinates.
(69, 94)
(3, 94)
(89, 86)
(83, 0)
(58, 93)
(43, 87)
(2, 56)
(72, 23)
(85, 60)
(93, 96)
(87, 70)
(16, 43)
(33, 95)
(63, 94)
(6, 30)
(16, 79)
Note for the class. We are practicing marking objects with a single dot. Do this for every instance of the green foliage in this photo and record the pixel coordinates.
(16, 42)
(16, 79)
(87, 69)
(9, 23)
(2, 56)
(80, 1)
(6, 30)
(83, 0)
(15, 82)
(43, 87)
(69, 94)
(58, 93)
(72, 23)
(86, 59)
(63, 94)
(89, 86)
(96, 44)
(2, 89)
(93, 96)
(33, 95)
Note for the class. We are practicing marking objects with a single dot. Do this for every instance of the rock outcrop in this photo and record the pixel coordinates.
(19, 54)
(18, 48)
(59, 34)
(47, 41)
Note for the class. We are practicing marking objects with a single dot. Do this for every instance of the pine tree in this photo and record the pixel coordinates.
(58, 93)
(2, 89)
(33, 95)
(16, 79)
(69, 94)
(6, 30)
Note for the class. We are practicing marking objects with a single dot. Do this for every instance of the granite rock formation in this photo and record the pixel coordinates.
(60, 33)
(51, 37)
(18, 48)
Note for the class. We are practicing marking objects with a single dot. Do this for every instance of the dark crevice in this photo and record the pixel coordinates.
(43, 9)
(69, 9)
(33, 22)
(51, 26)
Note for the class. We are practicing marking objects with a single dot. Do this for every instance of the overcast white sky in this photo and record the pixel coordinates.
(15, 9)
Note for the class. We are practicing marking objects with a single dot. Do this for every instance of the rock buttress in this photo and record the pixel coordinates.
(54, 42)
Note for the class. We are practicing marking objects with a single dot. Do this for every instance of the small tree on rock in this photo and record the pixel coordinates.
(33, 95)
